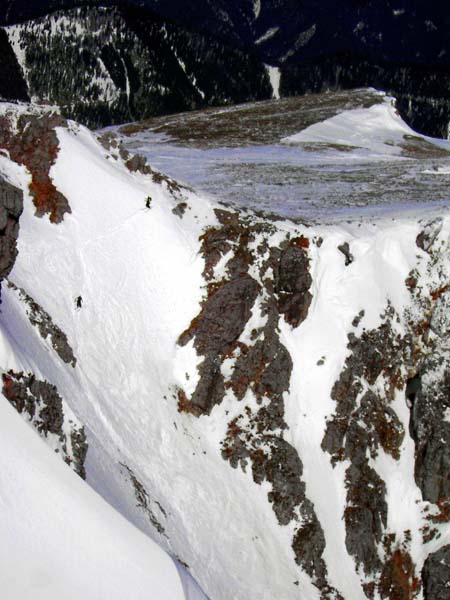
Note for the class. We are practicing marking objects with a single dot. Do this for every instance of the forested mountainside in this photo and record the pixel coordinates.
(104, 66)
(402, 31)
(401, 47)
(268, 400)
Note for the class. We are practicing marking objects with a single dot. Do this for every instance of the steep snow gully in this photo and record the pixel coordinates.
(264, 401)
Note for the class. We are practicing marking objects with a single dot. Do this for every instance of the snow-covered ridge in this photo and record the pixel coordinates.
(318, 181)
(235, 370)
(379, 129)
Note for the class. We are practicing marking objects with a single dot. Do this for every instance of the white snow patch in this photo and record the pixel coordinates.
(190, 76)
(257, 321)
(108, 89)
(256, 8)
(186, 363)
(18, 46)
(442, 170)
(267, 36)
(303, 39)
(274, 77)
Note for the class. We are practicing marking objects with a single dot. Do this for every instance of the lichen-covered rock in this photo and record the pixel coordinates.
(292, 282)
(212, 332)
(365, 514)
(398, 580)
(431, 433)
(265, 284)
(440, 318)
(40, 404)
(428, 392)
(31, 140)
(11, 206)
(376, 353)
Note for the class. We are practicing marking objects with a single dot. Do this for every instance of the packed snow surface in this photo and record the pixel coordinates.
(60, 539)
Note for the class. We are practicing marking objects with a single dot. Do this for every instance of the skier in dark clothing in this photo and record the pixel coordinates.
(147, 202)
(79, 301)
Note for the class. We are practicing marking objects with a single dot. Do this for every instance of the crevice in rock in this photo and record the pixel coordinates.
(144, 501)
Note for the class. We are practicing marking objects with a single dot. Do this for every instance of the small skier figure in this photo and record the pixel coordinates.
(147, 202)
(79, 301)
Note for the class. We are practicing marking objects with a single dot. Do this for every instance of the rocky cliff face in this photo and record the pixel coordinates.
(237, 333)
(104, 66)
(11, 206)
(292, 401)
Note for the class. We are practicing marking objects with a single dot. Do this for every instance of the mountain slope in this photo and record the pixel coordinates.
(268, 401)
(400, 47)
(380, 30)
(104, 66)
(60, 539)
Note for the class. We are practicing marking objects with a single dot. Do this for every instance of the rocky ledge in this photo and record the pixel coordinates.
(40, 404)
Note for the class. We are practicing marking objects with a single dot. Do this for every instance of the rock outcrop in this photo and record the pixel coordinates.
(30, 139)
(40, 404)
(250, 286)
(11, 206)
(40, 319)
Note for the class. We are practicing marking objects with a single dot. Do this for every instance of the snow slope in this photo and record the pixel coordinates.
(140, 272)
(59, 539)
